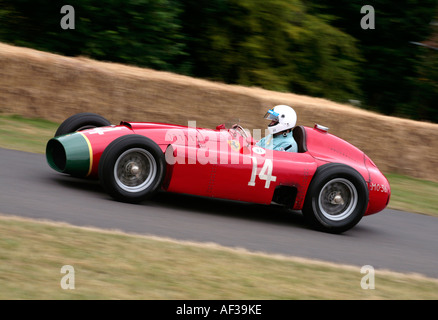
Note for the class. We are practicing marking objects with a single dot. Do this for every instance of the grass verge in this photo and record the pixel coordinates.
(113, 265)
(25, 134)
(413, 195)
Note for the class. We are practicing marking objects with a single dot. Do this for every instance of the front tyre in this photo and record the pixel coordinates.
(132, 168)
(337, 198)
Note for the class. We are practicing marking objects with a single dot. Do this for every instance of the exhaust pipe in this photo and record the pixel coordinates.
(70, 154)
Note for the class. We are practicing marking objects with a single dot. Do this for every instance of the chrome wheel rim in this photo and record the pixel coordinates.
(135, 170)
(338, 199)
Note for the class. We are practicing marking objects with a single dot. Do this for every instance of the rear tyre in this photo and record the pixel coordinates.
(337, 198)
(132, 168)
(81, 121)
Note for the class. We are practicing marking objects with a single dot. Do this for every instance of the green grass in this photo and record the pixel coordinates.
(110, 265)
(25, 134)
(414, 195)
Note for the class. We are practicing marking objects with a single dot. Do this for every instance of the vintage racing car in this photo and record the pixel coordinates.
(332, 182)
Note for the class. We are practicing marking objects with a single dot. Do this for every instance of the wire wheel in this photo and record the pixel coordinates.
(132, 168)
(135, 170)
(338, 199)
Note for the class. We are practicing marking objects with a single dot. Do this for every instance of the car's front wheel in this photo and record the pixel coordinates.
(132, 168)
(337, 198)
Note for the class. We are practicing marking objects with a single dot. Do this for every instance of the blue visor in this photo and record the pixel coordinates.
(271, 115)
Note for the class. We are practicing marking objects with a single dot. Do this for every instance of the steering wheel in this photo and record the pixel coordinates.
(238, 128)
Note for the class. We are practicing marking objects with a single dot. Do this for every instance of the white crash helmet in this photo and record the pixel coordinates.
(284, 116)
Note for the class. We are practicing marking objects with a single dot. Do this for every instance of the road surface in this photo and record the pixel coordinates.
(394, 240)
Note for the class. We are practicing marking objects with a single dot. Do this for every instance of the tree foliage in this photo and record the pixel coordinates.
(425, 89)
(273, 44)
(313, 47)
(140, 32)
(391, 63)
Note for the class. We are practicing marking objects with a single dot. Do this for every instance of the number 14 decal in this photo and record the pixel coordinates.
(265, 173)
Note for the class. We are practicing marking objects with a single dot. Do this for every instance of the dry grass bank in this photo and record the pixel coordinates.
(39, 84)
(112, 265)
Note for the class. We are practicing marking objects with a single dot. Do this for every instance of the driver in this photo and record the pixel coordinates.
(283, 119)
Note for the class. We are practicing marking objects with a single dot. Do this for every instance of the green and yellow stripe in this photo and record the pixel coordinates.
(90, 153)
(71, 153)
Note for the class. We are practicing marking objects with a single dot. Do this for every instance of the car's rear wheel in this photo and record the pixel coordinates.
(337, 198)
(81, 121)
(132, 168)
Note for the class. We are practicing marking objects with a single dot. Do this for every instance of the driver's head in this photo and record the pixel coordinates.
(282, 118)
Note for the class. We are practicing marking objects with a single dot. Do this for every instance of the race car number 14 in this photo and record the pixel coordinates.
(264, 174)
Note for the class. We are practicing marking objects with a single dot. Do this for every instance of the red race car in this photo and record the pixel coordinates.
(332, 182)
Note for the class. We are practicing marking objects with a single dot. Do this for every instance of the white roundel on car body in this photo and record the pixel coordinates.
(258, 150)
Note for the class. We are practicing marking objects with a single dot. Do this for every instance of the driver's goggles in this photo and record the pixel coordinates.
(271, 115)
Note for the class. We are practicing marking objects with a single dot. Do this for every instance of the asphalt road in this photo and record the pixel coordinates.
(394, 240)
